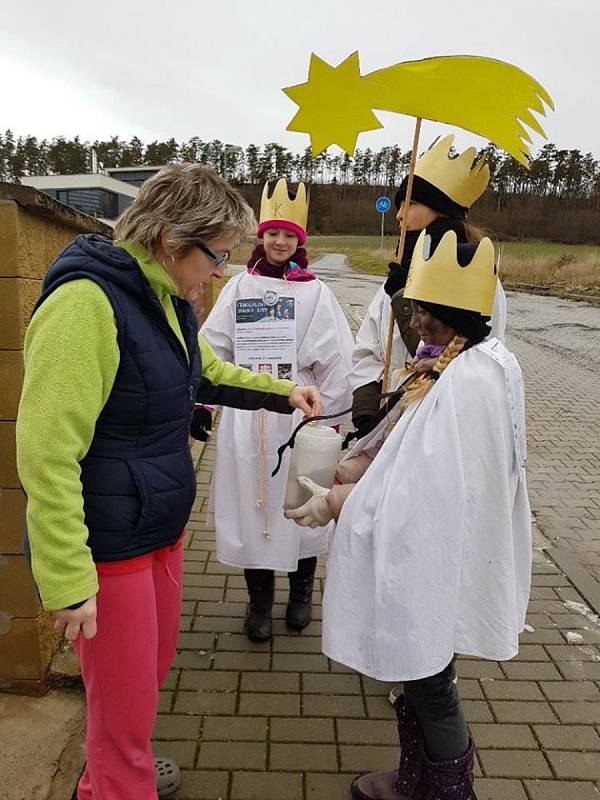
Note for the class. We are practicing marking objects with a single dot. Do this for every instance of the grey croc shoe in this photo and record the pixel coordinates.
(168, 777)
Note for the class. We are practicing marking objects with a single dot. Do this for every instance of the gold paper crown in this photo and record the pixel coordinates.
(441, 279)
(458, 178)
(280, 206)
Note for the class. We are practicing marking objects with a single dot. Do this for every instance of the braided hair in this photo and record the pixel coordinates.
(417, 389)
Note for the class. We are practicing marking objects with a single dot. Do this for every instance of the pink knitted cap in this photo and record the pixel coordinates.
(282, 223)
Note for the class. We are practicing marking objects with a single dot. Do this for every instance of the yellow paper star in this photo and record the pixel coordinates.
(333, 105)
(488, 97)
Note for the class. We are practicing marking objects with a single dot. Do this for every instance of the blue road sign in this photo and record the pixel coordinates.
(383, 204)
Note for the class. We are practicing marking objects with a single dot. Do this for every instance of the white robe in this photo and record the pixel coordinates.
(431, 555)
(368, 355)
(371, 340)
(324, 348)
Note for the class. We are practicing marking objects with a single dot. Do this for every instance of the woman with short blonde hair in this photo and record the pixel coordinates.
(192, 202)
(113, 359)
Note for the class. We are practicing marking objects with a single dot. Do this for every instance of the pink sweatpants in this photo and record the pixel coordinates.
(123, 667)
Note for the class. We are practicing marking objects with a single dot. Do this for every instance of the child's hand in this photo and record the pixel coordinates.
(315, 512)
(396, 280)
(425, 365)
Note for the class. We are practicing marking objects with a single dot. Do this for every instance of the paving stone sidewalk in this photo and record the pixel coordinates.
(280, 721)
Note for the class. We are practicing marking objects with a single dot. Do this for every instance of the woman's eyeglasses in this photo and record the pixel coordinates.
(217, 260)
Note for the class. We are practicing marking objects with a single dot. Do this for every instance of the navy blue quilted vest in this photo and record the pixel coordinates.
(138, 478)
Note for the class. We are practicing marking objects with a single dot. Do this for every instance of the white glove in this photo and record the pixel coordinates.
(315, 512)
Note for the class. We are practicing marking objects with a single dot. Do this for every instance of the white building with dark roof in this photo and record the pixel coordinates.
(99, 195)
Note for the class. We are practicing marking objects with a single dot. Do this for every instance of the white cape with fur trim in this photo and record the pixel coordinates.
(324, 348)
(431, 555)
(369, 351)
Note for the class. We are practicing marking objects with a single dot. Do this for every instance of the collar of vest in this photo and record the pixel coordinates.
(99, 256)
(155, 273)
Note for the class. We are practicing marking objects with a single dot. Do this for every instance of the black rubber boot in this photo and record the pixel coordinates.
(261, 589)
(299, 609)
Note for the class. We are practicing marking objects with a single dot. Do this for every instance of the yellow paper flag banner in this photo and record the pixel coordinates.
(488, 97)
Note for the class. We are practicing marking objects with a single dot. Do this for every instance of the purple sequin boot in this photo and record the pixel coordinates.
(405, 782)
(450, 780)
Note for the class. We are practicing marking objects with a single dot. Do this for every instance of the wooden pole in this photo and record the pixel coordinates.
(411, 175)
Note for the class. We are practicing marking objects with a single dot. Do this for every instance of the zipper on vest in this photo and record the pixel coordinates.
(182, 351)
(167, 329)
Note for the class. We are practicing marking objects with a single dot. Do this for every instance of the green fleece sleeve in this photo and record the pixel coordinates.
(71, 360)
(225, 384)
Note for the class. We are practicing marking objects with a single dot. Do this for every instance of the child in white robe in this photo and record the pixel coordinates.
(431, 554)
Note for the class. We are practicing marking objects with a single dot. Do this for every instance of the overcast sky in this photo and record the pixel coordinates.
(215, 69)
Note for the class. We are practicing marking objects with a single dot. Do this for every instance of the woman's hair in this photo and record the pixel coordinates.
(417, 390)
(189, 201)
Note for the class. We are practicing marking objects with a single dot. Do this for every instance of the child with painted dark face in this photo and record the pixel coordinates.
(431, 553)
(444, 189)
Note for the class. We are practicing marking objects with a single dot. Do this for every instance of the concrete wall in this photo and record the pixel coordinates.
(33, 229)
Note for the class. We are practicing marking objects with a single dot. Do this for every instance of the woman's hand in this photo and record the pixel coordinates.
(75, 621)
(307, 399)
